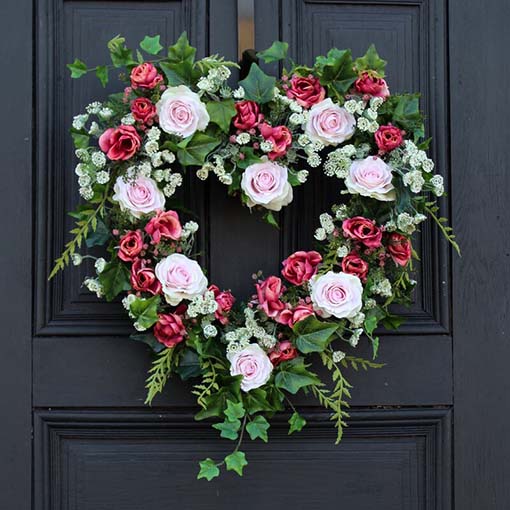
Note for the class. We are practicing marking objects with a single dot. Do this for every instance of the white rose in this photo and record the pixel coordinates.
(181, 112)
(329, 123)
(253, 364)
(337, 294)
(267, 184)
(180, 278)
(140, 196)
(371, 177)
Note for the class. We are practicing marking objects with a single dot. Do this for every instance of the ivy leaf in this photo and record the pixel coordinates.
(294, 375)
(221, 113)
(195, 150)
(269, 218)
(407, 114)
(393, 321)
(370, 324)
(114, 279)
(375, 346)
(151, 45)
(313, 335)
(145, 311)
(257, 428)
(258, 86)
(371, 61)
(236, 462)
(208, 470)
(102, 74)
(150, 340)
(296, 422)
(120, 55)
(99, 236)
(277, 51)
(181, 51)
(177, 74)
(80, 140)
(336, 71)
(189, 365)
(229, 428)
(234, 410)
(256, 400)
(77, 68)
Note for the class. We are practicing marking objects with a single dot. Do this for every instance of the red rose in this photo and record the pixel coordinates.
(248, 115)
(370, 83)
(169, 330)
(306, 91)
(399, 248)
(290, 316)
(283, 351)
(130, 245)
(143, 278)
(279, 136)
(268, 294)
(388, 138)
(145, 76)
(225, 301)
(165, 225)
(143, 110)
(354, 264)
(363, 230)
(120, 143)
(300, 266)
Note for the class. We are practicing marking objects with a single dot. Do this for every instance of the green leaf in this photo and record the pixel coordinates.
(256, 400)
(236, 462)
(145, 311)
(293, 375)
(277, 51)
(150, 340)
(370, 324)
(151, 45)
(229, 429)
(336, 71)
(189, 365)
(407, 114)
(221, 113)
(114, 279)
(257, 428)
(195, 150)
(102, 74)
(296, 422)
(178, 74)
(258, 86)
(269, 218)
(77, 68)
(208, 470)
(234, 410)
(80, 140)
(99, 236)
(393, 321)
(371, 62)
(181, 51)
(375, 346)
(313, 335)
(120, 55)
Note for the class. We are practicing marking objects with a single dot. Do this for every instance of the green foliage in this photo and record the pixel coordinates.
(257, 428)
(407, 114)
(119, 54)
(158, 374)
(371, 62)
(189, 365)
(149, 339)
(229, 428)
(294, 375)
(77, 68)
(355, 363)
(221, 113)
(145, 311)
(151, 45)
(80, 139)
(296, 422)
(102, 74)
(181, 51)
(257, 400)
(99, 236)
(270, 219)
(441, 222)
(236, 462)
(313, 335)
(194, 150)
(178, 67)
(277, 51)
(258, 86)
(335, 72)
(234, 410)
(208, 470)
(114, 279)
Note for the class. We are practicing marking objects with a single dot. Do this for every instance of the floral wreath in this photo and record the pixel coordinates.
(260, 139)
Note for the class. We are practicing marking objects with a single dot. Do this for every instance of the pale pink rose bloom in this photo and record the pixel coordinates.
(253, 364)
(139, 196)
(336, 294)
(267, 184)
(371, 177)
(180, 278)
(181, 112)
(329, 123)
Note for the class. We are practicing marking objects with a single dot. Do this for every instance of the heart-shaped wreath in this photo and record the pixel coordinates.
(260, 139)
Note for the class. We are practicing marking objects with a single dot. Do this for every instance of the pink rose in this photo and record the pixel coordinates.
(306, 91)
(354, 264)
(290, 316)
(283, 351)
(253, 364)
(145, 76)
(139, 196)
(363, 230)
(370, 83)
(169, 330)
(336, 294)
(143, 110)
(267, 184)
(279, 136)
(301, 266)
(268, 295)
(399, 248)
(329, 123)
(181, 112)
(120, 143)
(248, 115)
(388, 138)
(371, 177)
(143, 278)
(165, 225)
(130, 245)
(225, 301)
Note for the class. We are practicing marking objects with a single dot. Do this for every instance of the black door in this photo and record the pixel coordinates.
(429, 431)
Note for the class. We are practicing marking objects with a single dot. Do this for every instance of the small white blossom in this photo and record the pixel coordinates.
(376, 102)
(342, 252)
(320, 234)
(79, 121)
(210, 331)
(243, 138)
(99, 265)
(351, 106)
(168, 157)
(303, 140)
(93, 108)
(326, 222)
(84, 180)
(373, 127)
(138, 326)
(225, 179)
(76, 259)
(126, 302)
(128, 120)
(266, 146)
(82, 155)
(302, 176)
(238, 93)
(93, 285)
(314, 160)
(151, 147)
(370, 114)
(357, 320)
(153, 133)
(102, 177)
(427, 165)
(354, 338)
(296, 119)
(105, 113)
(94, 128)
(86, 192)
(80, 170)
(341, 212)
(338, 356)
(405, 222)
(98, 159)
